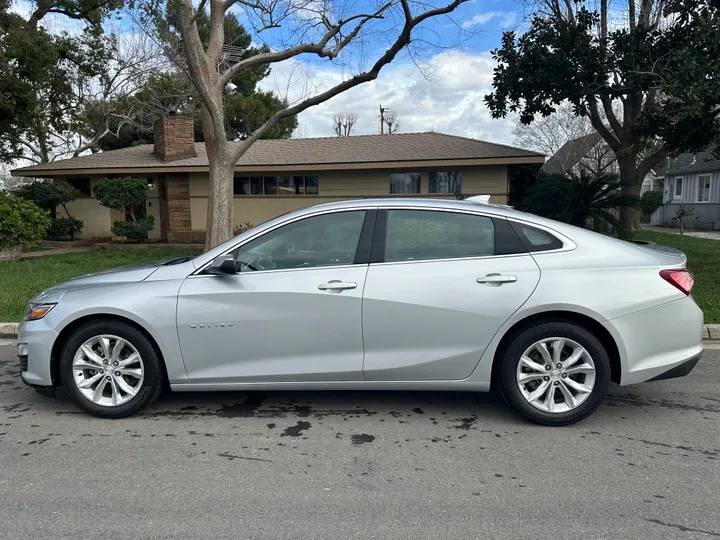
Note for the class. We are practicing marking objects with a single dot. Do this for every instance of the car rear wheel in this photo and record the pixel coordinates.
(110, 369)
(555, 373)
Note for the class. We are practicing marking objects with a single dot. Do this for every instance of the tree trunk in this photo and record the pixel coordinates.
(629, 217)
(220, 219)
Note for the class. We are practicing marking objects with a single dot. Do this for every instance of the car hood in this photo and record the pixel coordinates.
(123, 274)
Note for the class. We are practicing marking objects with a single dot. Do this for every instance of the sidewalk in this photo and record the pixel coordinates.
(58, 251)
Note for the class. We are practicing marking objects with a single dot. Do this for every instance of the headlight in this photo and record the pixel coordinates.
(37, 311)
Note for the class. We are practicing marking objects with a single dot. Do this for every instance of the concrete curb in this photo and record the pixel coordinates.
(711, 332)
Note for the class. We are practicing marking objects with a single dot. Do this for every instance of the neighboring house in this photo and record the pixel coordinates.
(277, 176)
(693, 180)
(592, 154)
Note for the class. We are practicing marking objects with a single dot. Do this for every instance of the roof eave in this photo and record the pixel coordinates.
(33, 172)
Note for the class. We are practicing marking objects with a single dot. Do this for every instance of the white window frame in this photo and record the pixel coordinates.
(675, 196)
(700, 183)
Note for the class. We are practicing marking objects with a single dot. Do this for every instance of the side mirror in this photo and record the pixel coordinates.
(224, 265)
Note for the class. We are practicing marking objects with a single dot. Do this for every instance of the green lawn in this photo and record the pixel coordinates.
(704, 260)
(20, 281)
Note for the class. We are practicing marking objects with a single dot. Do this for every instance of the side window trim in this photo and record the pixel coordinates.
(365, 244)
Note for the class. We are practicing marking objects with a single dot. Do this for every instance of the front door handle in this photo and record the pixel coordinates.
(496, 279)
(337, 285)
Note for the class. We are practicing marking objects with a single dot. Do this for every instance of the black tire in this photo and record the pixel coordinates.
(153, 376)
(520, 342)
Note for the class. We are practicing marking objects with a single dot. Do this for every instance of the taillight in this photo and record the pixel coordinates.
(681, 278)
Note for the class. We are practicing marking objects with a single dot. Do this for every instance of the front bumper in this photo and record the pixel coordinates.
(35, 343)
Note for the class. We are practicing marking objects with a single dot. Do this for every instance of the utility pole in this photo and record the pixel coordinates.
(382, 120)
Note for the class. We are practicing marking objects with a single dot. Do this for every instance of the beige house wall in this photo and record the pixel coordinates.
(97, 219)
(342, 185)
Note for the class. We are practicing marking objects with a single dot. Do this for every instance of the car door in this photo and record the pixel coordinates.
(439, 286)
(292, 312)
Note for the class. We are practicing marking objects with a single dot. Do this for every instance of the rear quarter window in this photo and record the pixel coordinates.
(535, 239)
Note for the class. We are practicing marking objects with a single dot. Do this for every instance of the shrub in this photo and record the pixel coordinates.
(21, 222)
(649, 202)
(126, 194)
(48, 196)
(136, 230)
(64, 228)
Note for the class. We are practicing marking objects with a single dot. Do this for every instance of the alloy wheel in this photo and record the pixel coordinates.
(556, 375)
(108, 370)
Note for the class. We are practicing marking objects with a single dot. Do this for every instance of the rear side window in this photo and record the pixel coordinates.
(535, 239)
(417, 235)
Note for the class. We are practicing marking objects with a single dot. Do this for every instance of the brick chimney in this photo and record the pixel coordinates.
(174, 138)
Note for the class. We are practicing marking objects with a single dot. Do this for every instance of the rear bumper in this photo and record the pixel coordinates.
(660, 342)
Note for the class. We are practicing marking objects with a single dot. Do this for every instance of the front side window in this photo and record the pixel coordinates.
(415, 235)
(678, 188)
(445, 182)
(326, 240)
(404, 183)
(703, 188)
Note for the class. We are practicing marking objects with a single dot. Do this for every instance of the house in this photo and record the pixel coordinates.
(592, 154)
(277, 176)
(692, 180)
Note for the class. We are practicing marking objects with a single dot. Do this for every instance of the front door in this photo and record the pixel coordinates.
(439, 294)
(292, 312)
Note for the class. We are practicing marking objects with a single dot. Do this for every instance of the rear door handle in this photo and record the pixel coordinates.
(337, 285)
(496, 279)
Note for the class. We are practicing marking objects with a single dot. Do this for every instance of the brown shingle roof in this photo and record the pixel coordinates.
(281, 152)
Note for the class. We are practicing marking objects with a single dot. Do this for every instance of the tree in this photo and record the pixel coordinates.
(390, 121)
(343, 124)
(128, 195)
(549, 134)
(321, 30)
(49, 78)
(655, 69)
(169, 91)
(49, 196)
(583, 200)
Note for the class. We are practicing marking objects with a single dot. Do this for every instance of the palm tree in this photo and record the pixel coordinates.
(584, 200)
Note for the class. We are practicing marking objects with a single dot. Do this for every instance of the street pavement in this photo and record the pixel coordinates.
(341, 465)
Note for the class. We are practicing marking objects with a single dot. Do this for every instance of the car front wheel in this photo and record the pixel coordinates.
(555, 373)
(110, 369)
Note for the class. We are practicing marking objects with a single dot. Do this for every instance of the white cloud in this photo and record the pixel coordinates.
(505, 19)
(450, 102)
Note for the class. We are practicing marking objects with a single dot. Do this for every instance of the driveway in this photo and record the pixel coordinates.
(334, 465)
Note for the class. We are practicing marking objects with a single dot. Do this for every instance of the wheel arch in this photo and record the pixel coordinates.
(73, 325)
(587, 322)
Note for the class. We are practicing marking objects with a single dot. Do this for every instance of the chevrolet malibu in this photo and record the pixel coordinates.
(376, 295)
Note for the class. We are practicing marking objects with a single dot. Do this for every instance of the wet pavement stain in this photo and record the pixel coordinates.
(246, 409)
(362, 438)
(296, 430)
(232, 457)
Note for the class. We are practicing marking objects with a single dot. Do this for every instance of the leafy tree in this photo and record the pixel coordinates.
(583, 200)
(128, 195)
(49, 196)
(46, 77)
(657, 69)
(22, 223)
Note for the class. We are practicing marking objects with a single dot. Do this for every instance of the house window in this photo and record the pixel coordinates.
(678, 188)
(405, 183)
(81, 184)
(703, 188)
(275, 185)
(445, 182)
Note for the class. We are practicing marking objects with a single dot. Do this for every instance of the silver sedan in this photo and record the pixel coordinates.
(376, 294)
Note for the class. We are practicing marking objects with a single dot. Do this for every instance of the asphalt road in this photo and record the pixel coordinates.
(339, 465)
